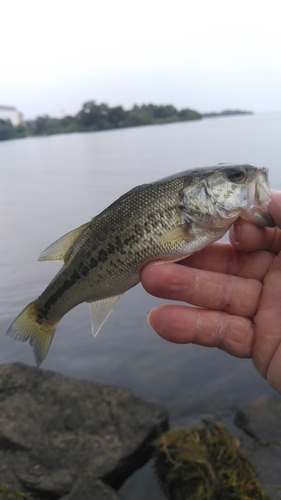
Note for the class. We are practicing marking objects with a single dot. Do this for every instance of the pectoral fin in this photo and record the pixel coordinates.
(100, 310)
(179, 232)
(59, 250)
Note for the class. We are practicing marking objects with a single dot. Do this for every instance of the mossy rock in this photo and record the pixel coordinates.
(205, 463)
(7, 494)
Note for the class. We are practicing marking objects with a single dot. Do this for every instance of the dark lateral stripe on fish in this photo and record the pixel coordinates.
(68, 283)
(84, 270)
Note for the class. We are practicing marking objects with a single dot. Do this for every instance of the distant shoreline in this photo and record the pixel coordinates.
(95, 117)
(227, 112)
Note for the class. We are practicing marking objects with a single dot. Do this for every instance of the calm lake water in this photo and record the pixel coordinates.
(51, 185)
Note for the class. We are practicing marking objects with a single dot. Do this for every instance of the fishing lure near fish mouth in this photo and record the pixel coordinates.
(165, 220)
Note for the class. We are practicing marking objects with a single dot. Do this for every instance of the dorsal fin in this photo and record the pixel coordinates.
(59, 250)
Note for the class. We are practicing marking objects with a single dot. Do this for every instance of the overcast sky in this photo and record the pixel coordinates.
(203, 54)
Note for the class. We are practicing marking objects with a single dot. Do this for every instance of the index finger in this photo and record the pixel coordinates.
(275, 207)
(223, 258)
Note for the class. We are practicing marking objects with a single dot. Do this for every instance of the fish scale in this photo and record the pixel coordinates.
(164, 220)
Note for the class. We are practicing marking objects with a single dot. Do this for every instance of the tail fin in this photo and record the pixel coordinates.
(40, 334)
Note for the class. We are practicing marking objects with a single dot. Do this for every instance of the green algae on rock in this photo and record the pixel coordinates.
(7, 494)
(205, 463)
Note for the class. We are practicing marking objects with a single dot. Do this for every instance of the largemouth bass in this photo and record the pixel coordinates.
(164, 220)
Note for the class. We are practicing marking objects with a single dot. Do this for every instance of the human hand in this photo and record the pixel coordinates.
(237, 290)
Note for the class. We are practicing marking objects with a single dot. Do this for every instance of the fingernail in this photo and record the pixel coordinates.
(237, 231)
(148, 317)
(159, 262)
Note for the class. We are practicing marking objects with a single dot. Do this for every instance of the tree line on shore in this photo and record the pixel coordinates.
(93, 117)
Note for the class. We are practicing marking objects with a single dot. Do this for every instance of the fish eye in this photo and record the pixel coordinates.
(236, 174)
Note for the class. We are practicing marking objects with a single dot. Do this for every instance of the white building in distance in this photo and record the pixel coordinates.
(11, 113)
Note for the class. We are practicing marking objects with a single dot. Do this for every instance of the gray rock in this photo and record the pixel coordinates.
(261, 440)
(58, 434)
(88, 487)
(259, 418)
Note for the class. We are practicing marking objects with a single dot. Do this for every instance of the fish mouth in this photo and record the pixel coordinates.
(259, 199)
(260, 218)
(262, 189)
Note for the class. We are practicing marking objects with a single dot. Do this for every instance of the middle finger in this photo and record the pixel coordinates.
(206, 289)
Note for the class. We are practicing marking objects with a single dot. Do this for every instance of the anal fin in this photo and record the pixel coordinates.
(100, 310)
